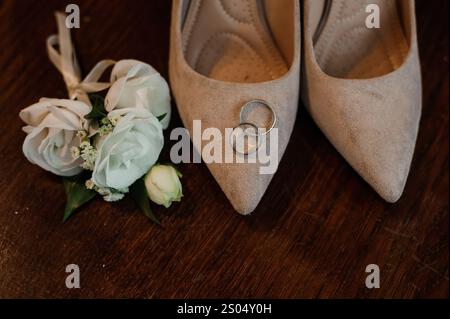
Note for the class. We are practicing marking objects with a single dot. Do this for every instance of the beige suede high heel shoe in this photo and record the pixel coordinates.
(226, 53)
(362, 86)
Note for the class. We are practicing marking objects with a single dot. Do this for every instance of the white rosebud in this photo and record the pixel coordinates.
(163, 185)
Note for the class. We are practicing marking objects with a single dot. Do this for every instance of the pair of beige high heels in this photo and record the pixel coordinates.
(360, 82)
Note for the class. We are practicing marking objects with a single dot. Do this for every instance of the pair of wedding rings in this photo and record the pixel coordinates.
(246, 138)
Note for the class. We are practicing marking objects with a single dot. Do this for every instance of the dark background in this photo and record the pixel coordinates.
(313, 234)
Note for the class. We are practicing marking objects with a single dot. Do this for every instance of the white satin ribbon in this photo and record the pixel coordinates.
(66, 62)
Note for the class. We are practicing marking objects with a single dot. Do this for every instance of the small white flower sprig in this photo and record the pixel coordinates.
(103, 146)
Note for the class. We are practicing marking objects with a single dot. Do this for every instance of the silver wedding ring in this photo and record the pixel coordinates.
(246, 137)
(265, 104)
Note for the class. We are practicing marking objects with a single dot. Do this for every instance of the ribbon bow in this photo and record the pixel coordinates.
(66, 62)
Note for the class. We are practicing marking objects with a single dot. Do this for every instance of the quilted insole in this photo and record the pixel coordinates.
(346, 48)
(229, 40)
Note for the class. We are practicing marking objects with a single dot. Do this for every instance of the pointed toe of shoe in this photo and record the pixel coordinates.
(243, 185)
(374, 125)
(216, 105)
(390, 190)
(245, 201)
(386, 177)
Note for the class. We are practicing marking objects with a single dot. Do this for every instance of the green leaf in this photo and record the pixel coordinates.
(161, 117)
(139, 193)
(77, 194)
(98, 108)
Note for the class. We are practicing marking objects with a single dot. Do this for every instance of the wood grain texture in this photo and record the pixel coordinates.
(313, 234)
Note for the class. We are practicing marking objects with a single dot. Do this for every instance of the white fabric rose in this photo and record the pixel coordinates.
(163, 185)
(137, 84)
(52, 132)
(128, 152)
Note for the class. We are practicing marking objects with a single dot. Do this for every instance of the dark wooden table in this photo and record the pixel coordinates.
(314, 233)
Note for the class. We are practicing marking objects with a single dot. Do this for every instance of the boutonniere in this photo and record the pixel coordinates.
(103, 144)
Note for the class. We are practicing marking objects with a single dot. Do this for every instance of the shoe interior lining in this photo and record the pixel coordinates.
(346, 48)
(230, 40)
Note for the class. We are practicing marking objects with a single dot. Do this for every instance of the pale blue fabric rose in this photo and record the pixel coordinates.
(52, 126)
(138, 85)
(128, 152)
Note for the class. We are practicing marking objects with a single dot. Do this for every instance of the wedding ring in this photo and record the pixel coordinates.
(246, 137)
(243, 140)
(266, 105)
